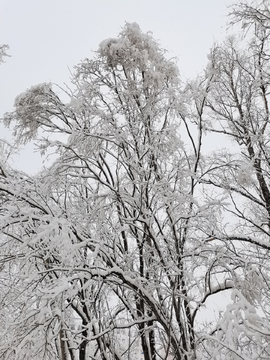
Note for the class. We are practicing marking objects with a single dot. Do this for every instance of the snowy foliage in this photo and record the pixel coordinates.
(134, 228)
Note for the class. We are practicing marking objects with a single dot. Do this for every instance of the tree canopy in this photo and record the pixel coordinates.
(115, 249)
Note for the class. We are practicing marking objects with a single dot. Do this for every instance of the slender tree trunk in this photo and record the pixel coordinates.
(63, 345)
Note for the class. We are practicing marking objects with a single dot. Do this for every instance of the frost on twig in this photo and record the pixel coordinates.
(3, 52)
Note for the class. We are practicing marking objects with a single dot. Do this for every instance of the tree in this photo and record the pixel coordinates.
(124, 236)
(238, 108)
(113, 231)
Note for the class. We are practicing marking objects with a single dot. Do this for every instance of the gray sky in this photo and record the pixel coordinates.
(48, 37)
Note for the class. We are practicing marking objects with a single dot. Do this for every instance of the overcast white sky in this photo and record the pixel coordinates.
(49, 37)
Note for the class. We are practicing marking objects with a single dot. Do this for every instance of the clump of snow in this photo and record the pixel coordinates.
(251, 285)
(3, 52)
(239, 322)
(30, 111)
(136, 50)
(244, 174)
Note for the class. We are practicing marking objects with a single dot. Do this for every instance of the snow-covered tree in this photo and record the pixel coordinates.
(238, 111)
(114, 235)
(115, 249)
